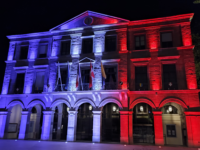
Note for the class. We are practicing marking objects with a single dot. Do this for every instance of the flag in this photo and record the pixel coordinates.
(91, 75)
(103, 75)
(103, 71)
(67, 80)
(78, 77)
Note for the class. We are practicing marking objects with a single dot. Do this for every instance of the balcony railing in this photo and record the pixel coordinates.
(37, 90)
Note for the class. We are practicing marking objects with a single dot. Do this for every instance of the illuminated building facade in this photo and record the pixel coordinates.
(150, 94)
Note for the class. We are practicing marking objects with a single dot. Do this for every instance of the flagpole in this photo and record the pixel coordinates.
(80, 76)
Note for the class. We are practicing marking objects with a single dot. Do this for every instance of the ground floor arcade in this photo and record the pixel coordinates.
(126, 120)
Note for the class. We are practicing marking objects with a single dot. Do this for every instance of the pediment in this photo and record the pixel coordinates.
(89, 18)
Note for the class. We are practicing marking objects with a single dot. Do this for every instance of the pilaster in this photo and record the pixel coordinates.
(55, 46)
(130, 125)
(7, 77)
(33, 49)
(96, 137)
(124, 125)
(3, 116)
(11, 50)
(193, 131)
(52, 74)
(71, 130)
(46, 125)
(22, 131)
(158, 128)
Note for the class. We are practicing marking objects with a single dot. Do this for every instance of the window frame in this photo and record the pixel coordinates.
(145, 41)
(163, 85)
(66, 40)
(171, 136)
(19, 58)
(85, 38)
(166, 31)
(148, 79)
(108, 65)
(46, 50)
(112, 35)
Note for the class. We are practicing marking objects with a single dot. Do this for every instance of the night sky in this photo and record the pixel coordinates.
(27, 16)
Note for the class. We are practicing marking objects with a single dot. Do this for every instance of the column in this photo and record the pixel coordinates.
(96, 137)
(33, 49)
(7, 77)
(55, 46)
(193, 130)
(46, 125)
(130, 125)
(52, 74)
(3, 116)
(28, 83)
(124, 133)
(186, 34)
(11, 50)
(22, 131)
(71, 130)
(75, 51)
(122, 67)
(153, 42)
(99, 45)
(158, 128)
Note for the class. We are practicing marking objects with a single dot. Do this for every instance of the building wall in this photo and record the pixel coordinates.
(126, 58)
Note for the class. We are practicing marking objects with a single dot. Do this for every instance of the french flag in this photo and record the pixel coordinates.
(91, 75)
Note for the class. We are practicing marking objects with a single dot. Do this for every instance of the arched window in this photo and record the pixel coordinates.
(169, 109)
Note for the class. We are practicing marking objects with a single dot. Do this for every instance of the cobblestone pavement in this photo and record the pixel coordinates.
(53, 145)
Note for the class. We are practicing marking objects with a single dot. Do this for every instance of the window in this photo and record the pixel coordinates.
(141, 78)
(42, 53)
(111, 78)
(23, 52)
(85, 74)
(110, 43)
(19, 84)
(63, 74)
(166, 40)
(169, 77)
(140, 42)
(39, 82)
(169, 109)
(171, 130)
(65, 47)
(87, 46)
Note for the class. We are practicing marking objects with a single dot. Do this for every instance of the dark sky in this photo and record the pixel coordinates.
(27, 16)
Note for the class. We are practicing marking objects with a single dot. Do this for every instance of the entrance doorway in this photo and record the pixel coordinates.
(143, 125)
(111, 123)
(84, 123)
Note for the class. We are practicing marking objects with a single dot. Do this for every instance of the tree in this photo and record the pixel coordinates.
(196, 2)
(196, 42)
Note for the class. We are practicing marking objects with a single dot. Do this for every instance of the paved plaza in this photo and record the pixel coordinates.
(54, 145)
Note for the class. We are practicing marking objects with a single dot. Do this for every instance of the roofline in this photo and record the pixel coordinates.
(10, 37)
(163, 19)
(88, 11)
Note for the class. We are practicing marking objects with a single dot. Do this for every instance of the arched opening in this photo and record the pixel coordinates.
(143, 124)
(174, 125)
(34, 122)
(84, 122)
(13, 122)
(111, 123)
(60, 122)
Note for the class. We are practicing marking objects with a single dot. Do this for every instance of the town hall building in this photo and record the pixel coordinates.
(148, 94)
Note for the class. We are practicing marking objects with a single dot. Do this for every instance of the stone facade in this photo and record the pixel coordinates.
(126, 59)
